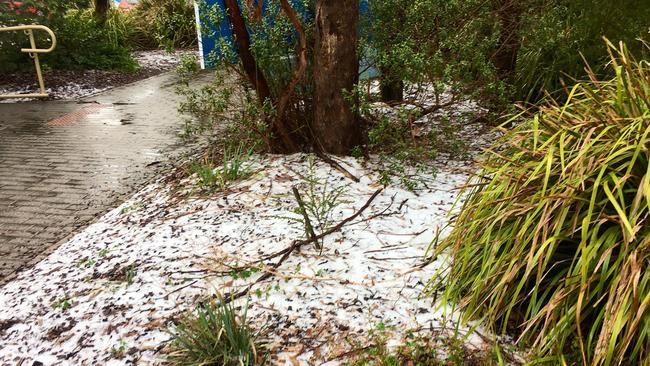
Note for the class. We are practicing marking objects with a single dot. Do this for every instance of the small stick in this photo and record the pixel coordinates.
(308, 226)
(334, 164)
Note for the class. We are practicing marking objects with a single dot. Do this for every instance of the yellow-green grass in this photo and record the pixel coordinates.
(552, 241)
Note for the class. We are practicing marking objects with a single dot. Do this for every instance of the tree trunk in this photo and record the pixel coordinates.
(256, 76)
(101, 10)
(391, 90)
(242, 39)
(505, 58)
(336, 127)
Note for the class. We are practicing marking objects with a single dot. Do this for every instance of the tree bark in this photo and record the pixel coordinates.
(505, 58)
(101, 10)
(336, 127)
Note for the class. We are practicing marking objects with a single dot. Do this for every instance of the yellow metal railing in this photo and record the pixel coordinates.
(33, 53)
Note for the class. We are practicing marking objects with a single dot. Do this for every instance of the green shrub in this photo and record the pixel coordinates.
(82, 42)
(553, 240)
(446, 43)
(214, 335)
(168, 23)
(556, 40)
(455, 43)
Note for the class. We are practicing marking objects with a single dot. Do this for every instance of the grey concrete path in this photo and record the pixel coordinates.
(64, 163)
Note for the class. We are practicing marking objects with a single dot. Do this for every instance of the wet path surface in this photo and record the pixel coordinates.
(64, 163)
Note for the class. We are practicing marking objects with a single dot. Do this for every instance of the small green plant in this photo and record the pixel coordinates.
(244, 273)
(129, 274)
(86, 263)
(211, 179)
(131, 208)
(233, 163)
(215, 335)
(119, 351)
(357, 152)
(62, 304)
(188, 68)
(318, 202)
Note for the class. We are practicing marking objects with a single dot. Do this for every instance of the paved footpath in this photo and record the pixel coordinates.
(64, 163)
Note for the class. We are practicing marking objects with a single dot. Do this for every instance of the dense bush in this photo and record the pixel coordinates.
(556, 39)
(446, 43)
(460, 43)
(82, 42)
(553, 240)
(168, 23)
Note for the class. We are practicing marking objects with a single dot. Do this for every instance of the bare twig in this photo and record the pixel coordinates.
(303, 211)
(335, 164)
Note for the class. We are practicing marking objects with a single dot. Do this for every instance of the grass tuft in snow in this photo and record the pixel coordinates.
(211, 179)
(214, 335)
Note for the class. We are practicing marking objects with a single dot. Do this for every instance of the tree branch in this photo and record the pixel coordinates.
(301, 67)
(303, 211)
(242, 39)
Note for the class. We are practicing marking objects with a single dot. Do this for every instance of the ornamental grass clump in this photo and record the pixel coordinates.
(215, 335)
(552, 241)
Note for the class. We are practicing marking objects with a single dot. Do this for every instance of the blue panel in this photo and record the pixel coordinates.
(209, 34)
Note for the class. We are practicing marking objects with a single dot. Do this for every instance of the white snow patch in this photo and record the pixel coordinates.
(75, 89)
(116, 285)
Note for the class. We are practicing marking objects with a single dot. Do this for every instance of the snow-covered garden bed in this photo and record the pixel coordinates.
(110, 294)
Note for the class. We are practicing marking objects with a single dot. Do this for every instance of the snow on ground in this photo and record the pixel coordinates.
(67, 85)
(160, 59)
(70, 90)
(107, 296)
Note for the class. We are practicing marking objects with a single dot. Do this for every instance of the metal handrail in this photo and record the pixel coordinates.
(33, 53)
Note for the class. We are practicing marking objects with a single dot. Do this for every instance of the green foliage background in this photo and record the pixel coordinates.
(453, 42)
(83, 43)
(166, 23)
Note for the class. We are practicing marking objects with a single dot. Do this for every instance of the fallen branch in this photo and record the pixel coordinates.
(335, 164)
(285, 253)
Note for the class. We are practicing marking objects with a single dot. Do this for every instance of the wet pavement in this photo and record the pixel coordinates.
(64, 163)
